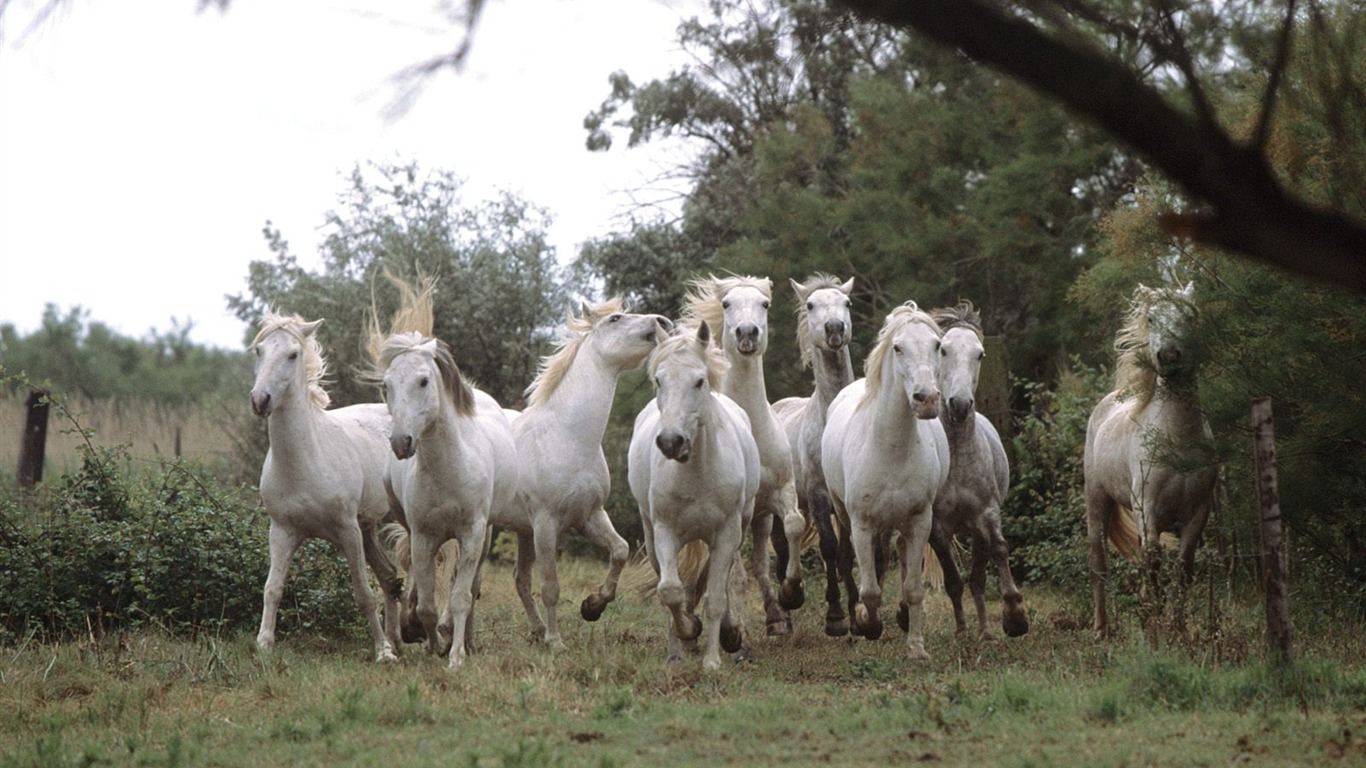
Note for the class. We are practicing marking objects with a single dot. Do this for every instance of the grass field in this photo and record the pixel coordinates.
(1052, 697)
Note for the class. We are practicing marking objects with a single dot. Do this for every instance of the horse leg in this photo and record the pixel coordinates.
(761, 528)
(723, 548)
(977, 585)
(547, 539)
(866, 621)
(942, 545)
(1099, 510)
(391, 586)
(422, 575)
(521, 576)
(462, 596)
(788, 532)
(913, 541)
(682, 624)
(350, 541)
(1013, 619)
(845, 560)
(818, 501)
(283, 544)
(599, 530)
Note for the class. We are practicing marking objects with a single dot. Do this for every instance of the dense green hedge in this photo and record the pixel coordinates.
(107, 547)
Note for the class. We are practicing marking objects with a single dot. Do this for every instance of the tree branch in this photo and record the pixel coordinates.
(1246, 209)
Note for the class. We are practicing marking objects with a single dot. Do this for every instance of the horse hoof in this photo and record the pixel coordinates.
(780, 627)
(412, 632)
(732, 640)
(592, 607)
(386, 656)
(836, 627)
(791, 595)
(903, 617)
(918, 653)
(1015, 624)
(692, 629)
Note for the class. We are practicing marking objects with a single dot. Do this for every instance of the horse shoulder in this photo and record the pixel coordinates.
(1000, 462)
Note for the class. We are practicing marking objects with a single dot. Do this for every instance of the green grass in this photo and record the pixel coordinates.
(1052, 697)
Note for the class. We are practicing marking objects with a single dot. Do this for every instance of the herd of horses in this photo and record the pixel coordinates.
(900, 456)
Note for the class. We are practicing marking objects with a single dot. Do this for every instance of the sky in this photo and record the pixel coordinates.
(144, 145)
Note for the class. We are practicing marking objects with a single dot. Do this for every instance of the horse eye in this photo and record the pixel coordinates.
(725, 305)
(765, 305)
(293, 355)
(848, 303)
(699, 383)
(896, 348)
(943, 352)
(982, 355)
(810, 305)
(614, 318)
(422, 382)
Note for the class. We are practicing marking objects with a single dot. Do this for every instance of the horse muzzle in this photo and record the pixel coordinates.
(925, 404)
(403, 446)
(960, 409)
(261, 404)
(747, 339)
(835, 334)
(674, 446)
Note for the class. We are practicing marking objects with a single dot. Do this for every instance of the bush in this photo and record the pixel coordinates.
(106, 548)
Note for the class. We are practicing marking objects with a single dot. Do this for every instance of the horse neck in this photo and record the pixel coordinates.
(894, 425)
(834, 371)
(294, 428)
(1176, 408)
(745, 382)
(441, 447)
(582, 401)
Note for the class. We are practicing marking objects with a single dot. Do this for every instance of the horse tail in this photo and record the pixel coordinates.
(931, 570)
(692, 561)
(1123, 534)
(638, 577)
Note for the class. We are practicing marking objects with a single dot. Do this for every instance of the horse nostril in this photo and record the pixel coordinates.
(919, 397)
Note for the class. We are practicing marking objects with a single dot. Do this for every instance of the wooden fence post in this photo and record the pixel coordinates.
(1273, 547)
(34, 443)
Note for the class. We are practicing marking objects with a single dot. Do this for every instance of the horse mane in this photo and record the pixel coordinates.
(1135, 370)
(555, 365)
(704, 300)
(964, 315)
(902, 316)
(814, 283)
(315, 365)
(681, 342)
(456, 388)
(411, 327)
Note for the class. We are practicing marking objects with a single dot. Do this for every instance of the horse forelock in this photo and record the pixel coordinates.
(704, 302)
(963, 315)
(901, 317)
(454, 384)
(315, 364)
(804, 290)
(684, 342)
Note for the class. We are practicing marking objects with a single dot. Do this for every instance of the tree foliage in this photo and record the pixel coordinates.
(498, 291)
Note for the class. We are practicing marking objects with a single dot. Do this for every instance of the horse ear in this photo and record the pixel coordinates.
(586, 310)
(307, 329)
(429, 346)
(703, 334)
(848, 287)
(796, 287)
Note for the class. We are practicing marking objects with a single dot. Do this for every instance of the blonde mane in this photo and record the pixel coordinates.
(412, 326)
(964, 315)
(683, 342)
(555, 365)
(704, 300)
(315, 365)
(814, 283)
(1135, 369)
(902, 316)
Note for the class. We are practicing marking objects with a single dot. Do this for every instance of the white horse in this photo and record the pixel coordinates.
(454, 462)
(886, 457)
(824, 328)
(739, 307)
(564, 477)
(693, 467)
(323, 475)
(979, 476)
(1150, 463)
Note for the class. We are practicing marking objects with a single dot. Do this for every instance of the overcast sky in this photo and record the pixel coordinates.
(144, 145)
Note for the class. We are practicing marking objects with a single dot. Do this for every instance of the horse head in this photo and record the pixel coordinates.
(906, 357)
(824, 313)
(1170, 317)
(960, 364)
(420, 382)
(288, 360)
(685, 369)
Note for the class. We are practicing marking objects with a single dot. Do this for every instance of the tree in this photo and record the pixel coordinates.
(499, 290)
